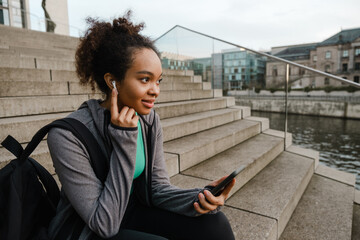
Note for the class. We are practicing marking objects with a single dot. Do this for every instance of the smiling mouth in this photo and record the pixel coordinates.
(148, 103)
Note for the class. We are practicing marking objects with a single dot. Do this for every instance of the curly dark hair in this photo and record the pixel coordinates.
(108, 48)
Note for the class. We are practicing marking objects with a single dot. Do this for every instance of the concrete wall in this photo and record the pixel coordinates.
(306, 107)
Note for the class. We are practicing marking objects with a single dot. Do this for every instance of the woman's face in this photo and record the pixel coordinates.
(140, 87)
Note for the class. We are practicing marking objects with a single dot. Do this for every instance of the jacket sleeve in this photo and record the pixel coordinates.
(165, 195)
(101, 206)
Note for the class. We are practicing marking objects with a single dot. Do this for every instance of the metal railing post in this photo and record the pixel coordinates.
(286, 102)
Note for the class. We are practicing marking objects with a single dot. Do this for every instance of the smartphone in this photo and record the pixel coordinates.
(218, 189)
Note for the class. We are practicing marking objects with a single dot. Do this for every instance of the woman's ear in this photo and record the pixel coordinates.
(108, 77)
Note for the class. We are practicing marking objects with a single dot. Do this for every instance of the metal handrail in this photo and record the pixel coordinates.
(287, 73)
(269, 56)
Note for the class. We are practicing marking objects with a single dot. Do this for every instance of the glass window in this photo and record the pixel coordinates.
(357, 51)
(356, 79)
(344, 67)
(345, 53)
(328, 54)
(357, 66)
(327, 68)
(274, 72)
(314, 58)
(4, 3)
(326, 81)
(4, 17)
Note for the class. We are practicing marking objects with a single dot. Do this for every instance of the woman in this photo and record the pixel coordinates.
(137, 200)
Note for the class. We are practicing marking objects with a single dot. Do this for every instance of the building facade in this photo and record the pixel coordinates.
(16, 13)
(338, 55)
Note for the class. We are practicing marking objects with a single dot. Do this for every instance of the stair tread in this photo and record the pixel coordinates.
(275, 191)
(325, 211)
(195, 140)
(197, 147)
(245, 153)
(180, 126)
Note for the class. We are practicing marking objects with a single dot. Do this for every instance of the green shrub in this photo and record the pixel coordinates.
(328, 89)
(272, 90)
(257, 90)
(307, 89)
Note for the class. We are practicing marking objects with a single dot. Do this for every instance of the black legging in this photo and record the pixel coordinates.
(140, 219)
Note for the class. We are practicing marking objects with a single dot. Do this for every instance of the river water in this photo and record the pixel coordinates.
(336, 139)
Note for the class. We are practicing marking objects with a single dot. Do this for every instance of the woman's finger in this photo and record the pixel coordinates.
(217, 201)
(206, 205)
(227, 189)
(114, 110)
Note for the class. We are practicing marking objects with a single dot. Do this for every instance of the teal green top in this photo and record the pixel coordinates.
(140, 153)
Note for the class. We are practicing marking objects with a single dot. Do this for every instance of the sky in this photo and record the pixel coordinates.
(256, 24)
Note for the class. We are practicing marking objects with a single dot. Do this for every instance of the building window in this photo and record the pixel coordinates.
(357, 66)
(327, 68)
(357, 51)
(301, 71)
(274, 72)
(4, 12)
(344, 67)
(328, 55)
(326, 81)
(356, 79)
(314, 58)
(345, 53)
(236, 70)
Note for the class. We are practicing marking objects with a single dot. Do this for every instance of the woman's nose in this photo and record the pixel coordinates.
(154, 89)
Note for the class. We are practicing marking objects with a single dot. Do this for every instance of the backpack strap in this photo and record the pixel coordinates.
(12, 145)
(98, 160)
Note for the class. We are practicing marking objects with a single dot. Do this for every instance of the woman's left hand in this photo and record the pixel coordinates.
(208, 202)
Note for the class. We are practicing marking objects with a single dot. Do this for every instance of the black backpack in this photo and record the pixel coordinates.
(29, 194)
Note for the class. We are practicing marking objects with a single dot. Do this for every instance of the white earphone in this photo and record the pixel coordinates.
(114, 85)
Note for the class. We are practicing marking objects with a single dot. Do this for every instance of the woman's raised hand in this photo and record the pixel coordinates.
(126, 117)
(209, 202)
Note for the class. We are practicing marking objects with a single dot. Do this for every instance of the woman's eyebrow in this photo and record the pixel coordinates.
(148, 73)
(145, 72)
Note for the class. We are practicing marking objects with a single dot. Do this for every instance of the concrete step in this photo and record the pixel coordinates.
(174, 109)
(325, 211)
(23, 127)
(182, 95)
(38, 88)
(15, 61)
(42, 155)
(21, 106)
(355, 233)
(23, 74)
(185, 125)
(198, 147)
(29, 38)
(246, 153)
(276, 190)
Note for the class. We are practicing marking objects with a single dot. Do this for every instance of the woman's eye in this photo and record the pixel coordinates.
(159, 81)
(145, 80)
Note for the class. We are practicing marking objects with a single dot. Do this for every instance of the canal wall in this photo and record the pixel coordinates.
(342, 109)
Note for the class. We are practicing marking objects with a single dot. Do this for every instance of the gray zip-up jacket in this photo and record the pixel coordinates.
(102, 206)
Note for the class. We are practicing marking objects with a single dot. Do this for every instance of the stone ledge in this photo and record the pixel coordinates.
(245, 111)
(309, 153)
(280, 134)
(331, 173)
(357, 197)
(264, 122)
